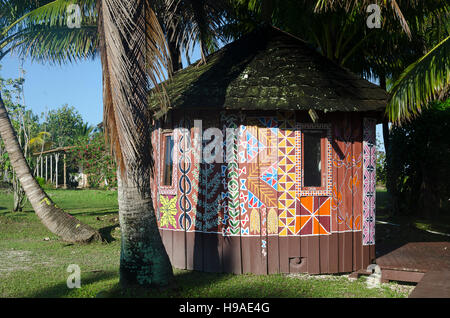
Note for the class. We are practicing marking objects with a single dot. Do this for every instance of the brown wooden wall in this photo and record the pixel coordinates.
(250, 213)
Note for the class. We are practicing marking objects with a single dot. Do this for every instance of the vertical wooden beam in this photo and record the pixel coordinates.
(46, 168)
(65, 171)
(37, 167)
(51, 168)
(56, 168)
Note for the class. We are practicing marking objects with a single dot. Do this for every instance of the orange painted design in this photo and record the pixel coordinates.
(313, 216)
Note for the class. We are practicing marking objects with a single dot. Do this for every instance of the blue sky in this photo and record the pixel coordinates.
(80, 85)
(51, 86)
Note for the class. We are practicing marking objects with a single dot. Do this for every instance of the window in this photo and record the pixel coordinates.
(168, 160)
(314, 157)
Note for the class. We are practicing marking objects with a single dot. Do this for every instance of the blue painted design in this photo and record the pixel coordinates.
(253, 201)
(270, 176)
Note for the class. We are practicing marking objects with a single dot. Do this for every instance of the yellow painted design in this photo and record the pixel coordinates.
(168, 211)
(272, 227)
(255, 224)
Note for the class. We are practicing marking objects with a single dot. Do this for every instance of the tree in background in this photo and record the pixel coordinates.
(55, 219)
(419, 162)
(186, 23)
(65, 126)
(26, 126)
(133, 53)
(92, 154)
(427, 77)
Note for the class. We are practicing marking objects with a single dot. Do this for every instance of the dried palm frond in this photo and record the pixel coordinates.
(132, 46)
(191, 22)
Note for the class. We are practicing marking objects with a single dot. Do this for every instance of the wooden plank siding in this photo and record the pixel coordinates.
(263, 230)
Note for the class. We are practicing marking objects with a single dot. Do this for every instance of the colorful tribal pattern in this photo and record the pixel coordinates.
(232, 176)
(185, 219)
(347, 182)
(168, 211)
(313, 216)
(258, 190)
(327, 191)
(369, 172)
(286, 175)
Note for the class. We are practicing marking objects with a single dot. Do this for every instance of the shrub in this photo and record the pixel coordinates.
(419, 173)
(41, 181)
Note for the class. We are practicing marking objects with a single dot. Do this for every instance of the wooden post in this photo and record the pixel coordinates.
(42, 167)
(36, 171)
(46, 168)
(51, 168)
(65, 184)
(56, 177)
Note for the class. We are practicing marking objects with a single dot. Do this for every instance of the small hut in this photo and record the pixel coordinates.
(265, 161)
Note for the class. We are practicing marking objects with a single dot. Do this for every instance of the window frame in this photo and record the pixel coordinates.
(325, 189)
(323, 165)
(167, 189)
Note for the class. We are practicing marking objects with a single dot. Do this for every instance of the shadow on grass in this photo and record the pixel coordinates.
(181, 286)
(95, 213)
(105, 232)
(398, 230)
(61, 289)
(17, 213)
(193, 284)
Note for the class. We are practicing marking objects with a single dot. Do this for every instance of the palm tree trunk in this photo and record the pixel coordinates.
(55, 219)
(143, 259)
(125, 31)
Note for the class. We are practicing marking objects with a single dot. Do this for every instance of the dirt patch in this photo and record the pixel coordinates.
(305, 276)
(16, 260)
(404, 289)
(13, 260)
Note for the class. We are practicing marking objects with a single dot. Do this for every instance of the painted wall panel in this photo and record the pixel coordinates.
(249, 212)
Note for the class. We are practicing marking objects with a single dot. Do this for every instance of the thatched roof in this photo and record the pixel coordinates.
(271, 70)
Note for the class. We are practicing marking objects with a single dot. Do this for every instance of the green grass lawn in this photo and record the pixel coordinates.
(33, 262)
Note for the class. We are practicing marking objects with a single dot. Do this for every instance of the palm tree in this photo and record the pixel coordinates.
(54, 218)
(426, 78)
(189, 22)
(133, 49)
(133, 53)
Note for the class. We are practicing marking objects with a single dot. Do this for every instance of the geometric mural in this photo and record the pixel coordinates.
(270, 176)
(369, 181)
(286, 176)
(248, 195)
(347, 164)
(313, 216)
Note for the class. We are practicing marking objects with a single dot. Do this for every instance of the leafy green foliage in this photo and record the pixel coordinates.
(94, 157)
(26, 125)
(381, 168)
(65, 126)
(418, 164)
(420, 83)
(39, 29)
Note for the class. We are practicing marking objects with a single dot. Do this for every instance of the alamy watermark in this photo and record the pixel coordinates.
(73, 16)
(74, 279)
(374, 19)
(214, 145)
